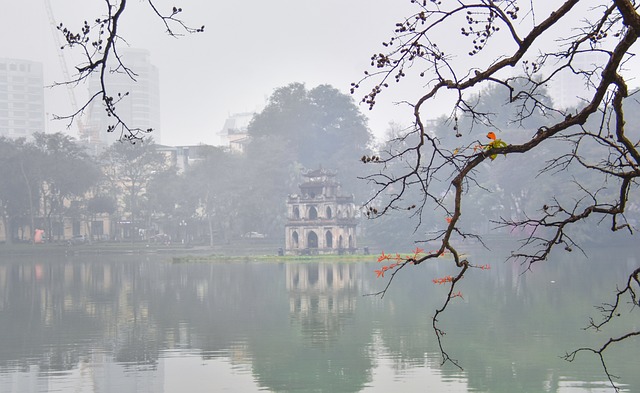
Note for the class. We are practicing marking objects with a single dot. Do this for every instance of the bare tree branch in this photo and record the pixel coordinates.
(98, 43)
(594, 135)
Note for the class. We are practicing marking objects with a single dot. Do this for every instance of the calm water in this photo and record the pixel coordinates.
(144, 324)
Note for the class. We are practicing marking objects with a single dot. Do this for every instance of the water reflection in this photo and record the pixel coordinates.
(322, 297)
(138, 324)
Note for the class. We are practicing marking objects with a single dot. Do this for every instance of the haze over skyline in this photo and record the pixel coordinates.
(248, 49)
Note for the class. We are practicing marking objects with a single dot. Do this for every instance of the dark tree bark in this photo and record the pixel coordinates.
(546, 46)
(98, 44)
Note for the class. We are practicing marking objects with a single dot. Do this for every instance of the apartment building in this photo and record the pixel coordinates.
(21, 98)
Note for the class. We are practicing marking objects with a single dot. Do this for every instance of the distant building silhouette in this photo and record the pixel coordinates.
(568, 89)
(140, 109)
(234, 133)
(181, 157)
(21, 98)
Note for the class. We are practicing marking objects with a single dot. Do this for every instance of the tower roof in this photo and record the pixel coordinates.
(320, 172)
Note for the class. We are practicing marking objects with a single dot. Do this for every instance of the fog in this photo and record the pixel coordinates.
(248, 49)
(135, 265)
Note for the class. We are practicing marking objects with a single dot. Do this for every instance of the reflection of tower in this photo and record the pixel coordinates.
(323, 277)
(320, 220)
(139, 109)
(320, 297)
(21, 98)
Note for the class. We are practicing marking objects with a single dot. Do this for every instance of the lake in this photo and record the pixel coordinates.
(142, 323)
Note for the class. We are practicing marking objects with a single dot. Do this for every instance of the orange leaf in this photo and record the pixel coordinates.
(379, 273)
(383, 257)
(491, 136)
(443, 280)
(448, 219)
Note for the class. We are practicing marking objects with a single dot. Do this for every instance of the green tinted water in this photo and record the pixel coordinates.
(145, 324)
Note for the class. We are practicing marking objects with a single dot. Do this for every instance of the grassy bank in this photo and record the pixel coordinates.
(239, 251)
(91, 248)
(273, 258)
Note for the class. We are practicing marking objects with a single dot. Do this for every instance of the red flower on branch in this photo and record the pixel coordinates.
(443, 280)
(383, 257)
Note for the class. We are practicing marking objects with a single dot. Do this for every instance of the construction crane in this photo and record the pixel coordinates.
(83, 132)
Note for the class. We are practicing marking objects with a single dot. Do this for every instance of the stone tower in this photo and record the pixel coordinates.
(319, 219)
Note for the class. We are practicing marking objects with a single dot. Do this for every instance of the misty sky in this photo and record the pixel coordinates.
(249, 48)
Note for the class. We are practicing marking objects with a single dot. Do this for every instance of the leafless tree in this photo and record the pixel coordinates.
(522, 48)
(98, 43)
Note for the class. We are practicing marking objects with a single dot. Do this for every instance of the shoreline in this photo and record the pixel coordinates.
(179, 253)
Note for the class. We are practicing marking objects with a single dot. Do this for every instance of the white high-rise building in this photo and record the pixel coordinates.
(139, 109)
(21, 98)
(569, 89)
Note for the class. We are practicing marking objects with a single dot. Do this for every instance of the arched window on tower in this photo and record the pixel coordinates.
(329, 213)
(313, 213)
(296, 241)
(312, 240)
(328, 239)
